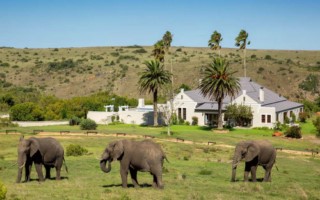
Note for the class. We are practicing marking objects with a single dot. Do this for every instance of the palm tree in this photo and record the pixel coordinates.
(241, 42)
(214, 42)
(152, 79)
(167, 39)
(218, 82)
(159, 51)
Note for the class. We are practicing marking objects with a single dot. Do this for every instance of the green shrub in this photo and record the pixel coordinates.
(142, 50)
(316, 123)
(194, 121)
(293, 132)
(303, 116)
(6, 122)
(3, 191)
(26, 112)
(76, 150)
(74, 121)
(205, 172)
(268, 57)
(88, 124)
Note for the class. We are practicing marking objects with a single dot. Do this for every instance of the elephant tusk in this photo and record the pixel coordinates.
(20, 167)
(96, 157)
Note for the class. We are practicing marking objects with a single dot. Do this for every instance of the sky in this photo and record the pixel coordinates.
(271, 24)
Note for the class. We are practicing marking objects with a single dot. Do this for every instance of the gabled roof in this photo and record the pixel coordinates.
(271, 99)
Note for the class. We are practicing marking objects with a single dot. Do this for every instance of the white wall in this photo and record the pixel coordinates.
(101, 117)
(136, 117)
(258, 111)
(181, 100)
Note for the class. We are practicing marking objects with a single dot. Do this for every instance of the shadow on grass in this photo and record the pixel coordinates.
(250, 180)
(51, 179)
(145, 185)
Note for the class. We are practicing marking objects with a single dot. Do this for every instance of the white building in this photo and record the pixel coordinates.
(142, 115)
(267, 106)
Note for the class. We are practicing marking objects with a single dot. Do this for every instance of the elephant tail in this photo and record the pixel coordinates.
(275, 164)
(165, 157)
(65, 165)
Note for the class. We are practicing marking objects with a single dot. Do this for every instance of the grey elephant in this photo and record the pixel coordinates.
(40, 151)
(254, 153)
(134, 156)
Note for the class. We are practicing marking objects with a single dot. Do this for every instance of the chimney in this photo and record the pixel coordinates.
(261, 94)
(182, 90)
(141, 103)
(244, 92)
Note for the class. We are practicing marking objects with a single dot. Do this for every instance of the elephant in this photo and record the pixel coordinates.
(40, 151)
(254, 152)
(145, 156)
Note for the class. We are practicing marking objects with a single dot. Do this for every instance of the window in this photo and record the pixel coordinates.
(269, 118)
(179, 113)
(264, 120)
(181, 96)
(184, 113)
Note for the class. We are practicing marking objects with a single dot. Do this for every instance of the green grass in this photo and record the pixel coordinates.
(194, 171)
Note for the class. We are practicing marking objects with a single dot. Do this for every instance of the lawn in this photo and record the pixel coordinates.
(194, 171)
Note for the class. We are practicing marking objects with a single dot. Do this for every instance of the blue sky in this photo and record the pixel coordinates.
(272, 24)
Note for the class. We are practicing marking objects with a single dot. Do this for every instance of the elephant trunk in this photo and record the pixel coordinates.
(103, 167)
(21, 164)
(234, 168)
(233, 178)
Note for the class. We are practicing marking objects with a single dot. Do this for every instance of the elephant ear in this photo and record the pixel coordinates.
(252, 151)
(117, 150)
(34, 146)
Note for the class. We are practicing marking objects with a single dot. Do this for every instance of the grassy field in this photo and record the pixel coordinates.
(194, 170)
(69, 72)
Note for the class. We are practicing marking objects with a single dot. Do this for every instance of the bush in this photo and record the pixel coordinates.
(5, 122)
(26, 112)
(76, 150)
(293, 132)
(268, 57)
(194, 121)
(205, 172)
(74, 121)
(3, 191)
(303, 116)
(88, 124)
(316, 123)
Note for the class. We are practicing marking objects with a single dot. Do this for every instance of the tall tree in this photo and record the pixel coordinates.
(167, 39)
(152, 79)
(159, 51)
(218, 82)
(241, 42)
(214, 42)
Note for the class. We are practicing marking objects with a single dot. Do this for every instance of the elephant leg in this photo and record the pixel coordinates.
(124, 175)
(28, 171)
(133, 174)
(48, 175)
(157, 181)
(246, 172)
(254, 173)
(58, 170)
(39, 171)
(267, 176)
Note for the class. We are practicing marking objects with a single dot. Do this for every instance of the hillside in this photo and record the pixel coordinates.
(69, 72)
